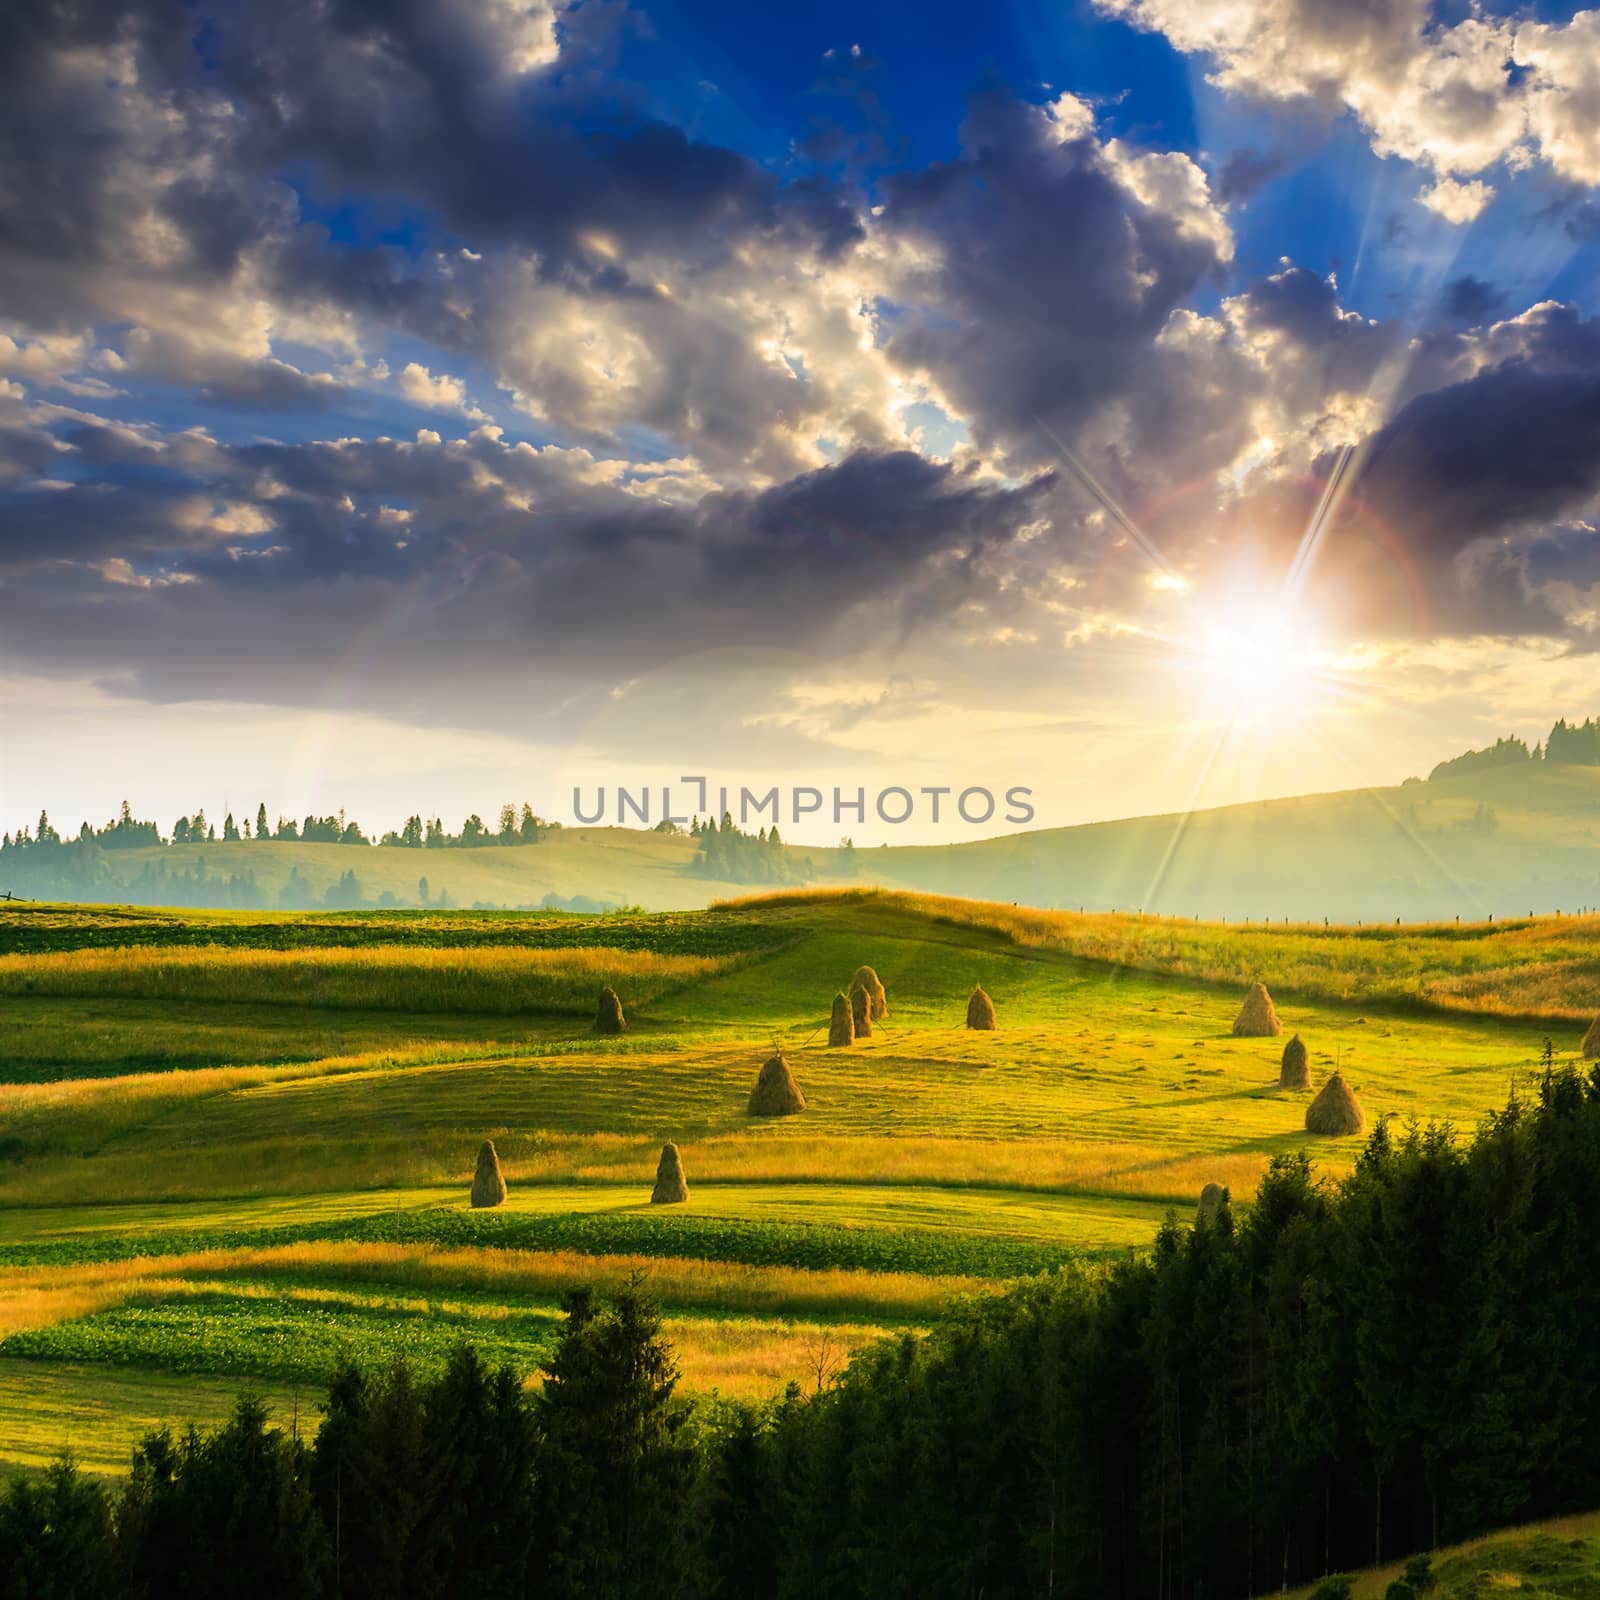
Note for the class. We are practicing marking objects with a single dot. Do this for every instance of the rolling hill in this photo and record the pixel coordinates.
(1504, 841)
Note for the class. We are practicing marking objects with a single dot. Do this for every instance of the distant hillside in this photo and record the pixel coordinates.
(1499, 840)
(1495, 838)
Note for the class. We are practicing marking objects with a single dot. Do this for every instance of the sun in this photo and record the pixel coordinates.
(1255, 661)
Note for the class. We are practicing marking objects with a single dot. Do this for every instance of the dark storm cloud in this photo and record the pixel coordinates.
(1447, 528)
(1513, 447)
(462, 556)
(413, 99)
(1051, 278)
(146, 150)
(1470, 300)
(1244, 173)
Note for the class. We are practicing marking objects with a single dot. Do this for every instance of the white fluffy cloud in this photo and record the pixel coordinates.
(1564, 92)
(441, 393)
(1443, 97)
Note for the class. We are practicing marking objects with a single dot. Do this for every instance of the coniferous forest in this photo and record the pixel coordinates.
(1339, 1374)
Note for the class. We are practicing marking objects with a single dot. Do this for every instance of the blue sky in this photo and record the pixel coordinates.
(595, 391)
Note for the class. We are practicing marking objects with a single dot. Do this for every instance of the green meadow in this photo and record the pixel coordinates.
(236, 1145)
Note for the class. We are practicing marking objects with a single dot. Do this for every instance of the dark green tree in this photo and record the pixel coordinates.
(225, 1516)
(615, 1466)
(56, 1537)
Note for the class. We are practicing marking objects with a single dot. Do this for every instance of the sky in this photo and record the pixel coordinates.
(416, 406)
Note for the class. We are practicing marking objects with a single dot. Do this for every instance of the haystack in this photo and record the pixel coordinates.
(1336, 1110)
(1257, 1019)
(861, 1012)
(1294, 1071)
(671, 1185)
(1591, 1041)
(980, 1010)
(488, 1182)
(842, 1026)
(868, 980)
(1211, 1198)
(776, 1094)
(608, 1016)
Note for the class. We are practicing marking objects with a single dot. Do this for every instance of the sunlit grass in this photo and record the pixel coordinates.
(323, 1200)
(495, 978)
(1537, 967)
(100, 1413)
(33, 1297)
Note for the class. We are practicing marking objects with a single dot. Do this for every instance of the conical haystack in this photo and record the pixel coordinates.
(842, 1026)
(980, 1010)
(776, 1094)
(1257, 1019)
(1294, 1072)
(488, 1183)
(868, 980)
(1336, 1110)
(1211, 1198)
(671, 1185)
(608, 1016)
(861, 1012)
(1591, 1041)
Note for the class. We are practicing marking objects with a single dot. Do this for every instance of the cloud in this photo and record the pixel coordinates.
(1469, 299)
(1456, 99)
(469, 552)
(1032, 276)
(1510, 449)
(723, 362)
(1456, 201)
(442, 393)
(1245, 172)
(1563, 61)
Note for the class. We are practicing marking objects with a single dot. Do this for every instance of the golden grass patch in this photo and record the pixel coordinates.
(494, 978)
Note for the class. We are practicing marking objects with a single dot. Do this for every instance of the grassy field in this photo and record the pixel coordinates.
(1555, 1560)
(290, 1182)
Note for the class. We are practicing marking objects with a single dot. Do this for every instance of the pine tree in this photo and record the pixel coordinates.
(614, 1463)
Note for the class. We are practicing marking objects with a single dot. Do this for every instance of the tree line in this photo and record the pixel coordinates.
(1343, 1374)
(730, 855)
(126, 832)
(38, 861)
(1570, 744)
